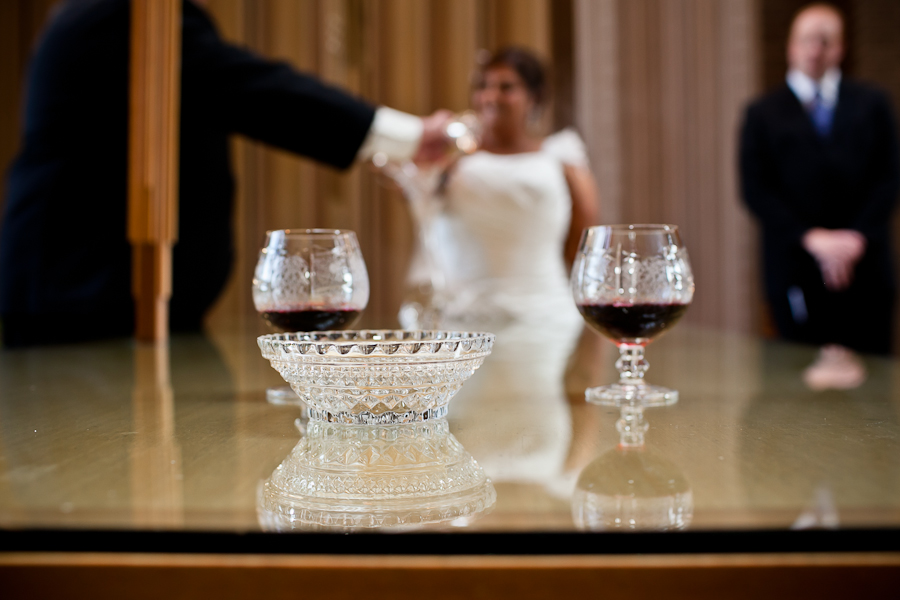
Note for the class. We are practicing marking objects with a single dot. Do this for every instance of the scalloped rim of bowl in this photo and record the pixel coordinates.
(376, 343)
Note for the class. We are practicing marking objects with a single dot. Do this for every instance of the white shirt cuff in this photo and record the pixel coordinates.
(394, 134)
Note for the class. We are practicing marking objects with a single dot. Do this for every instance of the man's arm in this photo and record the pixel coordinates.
(273, 103)
(400, 136)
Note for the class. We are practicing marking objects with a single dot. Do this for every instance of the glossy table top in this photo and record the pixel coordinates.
(118, 436)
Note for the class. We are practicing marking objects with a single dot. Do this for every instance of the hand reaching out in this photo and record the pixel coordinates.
(435, 144)
(837, 251)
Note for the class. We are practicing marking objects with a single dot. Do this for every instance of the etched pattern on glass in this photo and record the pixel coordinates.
(351, 476)
(333, 282)
(281, 281)
(632, 283)
(376, 376)
(310, 268)
(620, 276)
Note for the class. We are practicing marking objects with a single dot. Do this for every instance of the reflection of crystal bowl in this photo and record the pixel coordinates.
(352, 477)
(376, 376)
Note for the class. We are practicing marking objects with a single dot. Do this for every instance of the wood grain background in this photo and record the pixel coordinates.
(656, 87)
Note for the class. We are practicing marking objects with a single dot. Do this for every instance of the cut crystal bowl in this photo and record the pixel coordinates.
(372, 377)
(358, 477)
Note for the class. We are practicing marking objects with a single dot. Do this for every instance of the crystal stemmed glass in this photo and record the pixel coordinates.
(462, 135)
(632, 283)
(309, 280)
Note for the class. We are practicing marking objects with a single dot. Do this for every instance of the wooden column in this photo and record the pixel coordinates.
(153, 160)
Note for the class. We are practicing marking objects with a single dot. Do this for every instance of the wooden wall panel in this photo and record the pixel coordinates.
(702, 216)
(519, 22)
(454, 44)
(659, 99)
(877, 49)
(562, 44)
(403, 77)
(597, 98)
(877, 59)
(739, 74)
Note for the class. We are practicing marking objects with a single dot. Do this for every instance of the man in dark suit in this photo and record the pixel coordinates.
(65, 262)
(819, 168)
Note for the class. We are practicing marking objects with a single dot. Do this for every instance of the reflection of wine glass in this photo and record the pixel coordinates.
(632, 283)
(632, 487)
(309, 280)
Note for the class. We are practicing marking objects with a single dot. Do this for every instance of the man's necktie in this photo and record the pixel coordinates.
(821, 115)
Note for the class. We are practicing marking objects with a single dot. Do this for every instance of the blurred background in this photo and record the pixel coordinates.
(656, 88)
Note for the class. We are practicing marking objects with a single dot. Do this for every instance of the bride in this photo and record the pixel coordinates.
(506, 225)
(510, 215)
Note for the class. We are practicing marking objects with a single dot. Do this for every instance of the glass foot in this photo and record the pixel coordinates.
(618, 394)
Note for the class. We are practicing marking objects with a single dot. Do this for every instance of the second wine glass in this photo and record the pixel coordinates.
(309, 280)
(632, 283)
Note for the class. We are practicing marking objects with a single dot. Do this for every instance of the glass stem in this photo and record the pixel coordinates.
(631, 364)
(631, 425)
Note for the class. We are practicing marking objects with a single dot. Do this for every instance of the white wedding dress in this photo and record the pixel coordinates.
(496, 234)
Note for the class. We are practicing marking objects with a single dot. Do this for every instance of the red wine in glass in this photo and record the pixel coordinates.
(311, 318)
(309, 280)
(632, 283)
(631, 323)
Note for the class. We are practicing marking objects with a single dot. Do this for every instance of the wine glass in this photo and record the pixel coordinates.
(462, 135)
(464, 132)
(309, 280)
(632, 283)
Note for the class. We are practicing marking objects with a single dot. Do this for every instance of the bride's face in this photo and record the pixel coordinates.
(502, 99)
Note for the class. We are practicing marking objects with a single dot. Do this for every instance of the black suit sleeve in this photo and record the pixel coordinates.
(758, 181)
(268, 100)
(884, 173)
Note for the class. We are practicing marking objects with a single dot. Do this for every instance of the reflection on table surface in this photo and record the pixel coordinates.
(114, 435)
(403, 477)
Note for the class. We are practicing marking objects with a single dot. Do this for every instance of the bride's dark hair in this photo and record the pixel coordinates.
(524, 62)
